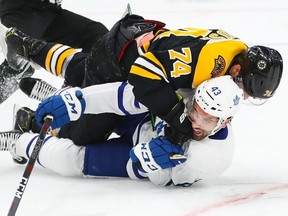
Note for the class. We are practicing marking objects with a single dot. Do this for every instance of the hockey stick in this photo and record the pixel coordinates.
(25, 177)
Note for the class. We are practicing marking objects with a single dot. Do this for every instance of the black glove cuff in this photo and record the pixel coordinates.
(180, 128)
(176, 116)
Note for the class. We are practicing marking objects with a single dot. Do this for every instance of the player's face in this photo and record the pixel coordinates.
(202, 122)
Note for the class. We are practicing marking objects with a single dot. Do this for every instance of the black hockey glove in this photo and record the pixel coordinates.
(179, 129)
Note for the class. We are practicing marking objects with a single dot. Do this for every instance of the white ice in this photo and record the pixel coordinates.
(255, 184)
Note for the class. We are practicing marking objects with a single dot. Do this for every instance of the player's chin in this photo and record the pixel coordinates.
(198, 134)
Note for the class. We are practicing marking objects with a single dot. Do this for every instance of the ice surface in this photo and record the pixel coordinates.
(255, 184)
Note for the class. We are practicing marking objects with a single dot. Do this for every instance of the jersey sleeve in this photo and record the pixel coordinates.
(153, 87)
(166, 67)
(207, 158)
(115, 98)
(161, 177)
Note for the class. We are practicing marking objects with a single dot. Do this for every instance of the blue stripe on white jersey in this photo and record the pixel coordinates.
(115, 98)
(138, 129)
(29, 150)
(136, 103)
(120, 98)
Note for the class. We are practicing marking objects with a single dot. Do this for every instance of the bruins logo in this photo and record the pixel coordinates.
(219, 66)
(261, 65)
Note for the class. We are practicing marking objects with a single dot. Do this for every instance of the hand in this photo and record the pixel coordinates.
(157, 154)
(179, 135)
(180, 129)
(67, 106)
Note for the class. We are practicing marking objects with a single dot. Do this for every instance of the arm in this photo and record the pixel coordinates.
(69, 104)
(112, 98)
(156, 156)
(207, 158)
(155, 88)
(151, 85)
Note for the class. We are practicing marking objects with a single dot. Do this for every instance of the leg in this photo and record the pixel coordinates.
(31, 17)
(60, 60)
(50, 22)
(76, 31)
(90, 128)
(110, 158)
(58, 155)
(107, 158)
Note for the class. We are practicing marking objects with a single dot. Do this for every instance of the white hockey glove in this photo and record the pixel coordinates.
(157, 154)
(65, 106)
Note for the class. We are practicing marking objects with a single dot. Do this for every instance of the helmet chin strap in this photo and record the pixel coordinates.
(218, 126)
(257, 101)
(238, 79)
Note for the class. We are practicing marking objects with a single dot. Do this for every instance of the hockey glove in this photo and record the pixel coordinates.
(179, 130)
(67, 106)
(157, 154)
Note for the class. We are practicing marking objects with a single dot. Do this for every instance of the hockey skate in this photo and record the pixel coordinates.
(23, 119)
(20, 47)
(9, 79)
(8, 141)
(36, 88)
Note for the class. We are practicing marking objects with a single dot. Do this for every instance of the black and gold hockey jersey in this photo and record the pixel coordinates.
(156, 65)
(180, 59)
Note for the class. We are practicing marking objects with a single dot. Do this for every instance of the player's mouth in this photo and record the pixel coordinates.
(197, 132)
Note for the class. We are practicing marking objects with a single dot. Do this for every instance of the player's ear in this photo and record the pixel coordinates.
(235, 70)
(227, 121)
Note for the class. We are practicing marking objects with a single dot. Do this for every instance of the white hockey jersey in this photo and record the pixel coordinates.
(206, 158)
(114, 97)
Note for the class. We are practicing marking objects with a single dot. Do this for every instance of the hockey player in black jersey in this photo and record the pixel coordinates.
(157, 61)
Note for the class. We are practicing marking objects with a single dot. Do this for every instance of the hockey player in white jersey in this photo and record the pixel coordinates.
(153, 156)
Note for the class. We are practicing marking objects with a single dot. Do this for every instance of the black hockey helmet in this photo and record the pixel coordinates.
(264, 73)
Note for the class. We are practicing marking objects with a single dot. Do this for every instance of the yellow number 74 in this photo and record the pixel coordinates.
(181, 65)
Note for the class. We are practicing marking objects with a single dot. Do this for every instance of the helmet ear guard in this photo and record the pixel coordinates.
(265, 72)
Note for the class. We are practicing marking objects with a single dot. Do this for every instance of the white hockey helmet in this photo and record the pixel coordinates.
(220, 97)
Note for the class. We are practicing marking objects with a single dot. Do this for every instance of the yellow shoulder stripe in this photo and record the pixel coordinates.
(143, 73)
(152, 58)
